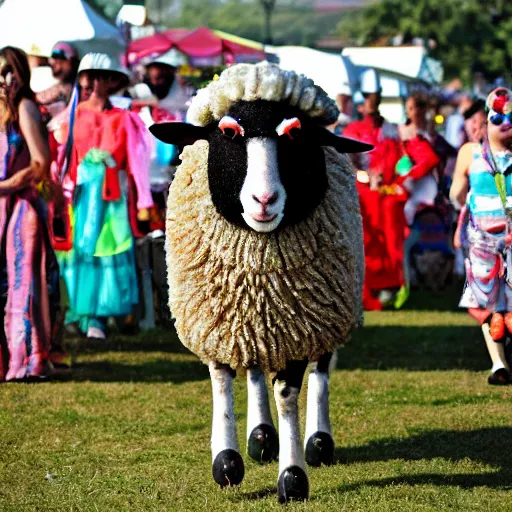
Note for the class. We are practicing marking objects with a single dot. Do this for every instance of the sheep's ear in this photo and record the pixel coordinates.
(341, 144)
(181, 134)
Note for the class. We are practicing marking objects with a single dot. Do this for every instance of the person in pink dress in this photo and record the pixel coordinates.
(27, 260)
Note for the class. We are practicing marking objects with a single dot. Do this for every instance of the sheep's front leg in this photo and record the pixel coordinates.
(228, 466)
(262, 440)
(293, 482)
(319, 445)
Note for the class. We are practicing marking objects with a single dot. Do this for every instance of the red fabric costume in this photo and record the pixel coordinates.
(383, 213)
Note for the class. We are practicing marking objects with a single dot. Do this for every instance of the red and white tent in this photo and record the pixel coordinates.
(199, 45)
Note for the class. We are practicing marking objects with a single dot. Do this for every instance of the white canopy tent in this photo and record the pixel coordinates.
(326, 69)
(334, 74)
(399, 67)
(36, 25)
(410, 62)
(341, 75)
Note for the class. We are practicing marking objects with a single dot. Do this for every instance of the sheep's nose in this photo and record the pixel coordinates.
(266, 199)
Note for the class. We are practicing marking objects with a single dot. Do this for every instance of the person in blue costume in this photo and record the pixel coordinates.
(482, 184)
(109, 166)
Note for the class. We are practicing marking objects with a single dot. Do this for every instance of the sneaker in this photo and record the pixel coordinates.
(500, 377)
(96, 333)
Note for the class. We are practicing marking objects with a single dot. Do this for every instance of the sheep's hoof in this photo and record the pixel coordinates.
(293, 485)
(228, 468)
(263, 443)
(320, 449)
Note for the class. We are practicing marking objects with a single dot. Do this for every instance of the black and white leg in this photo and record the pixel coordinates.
(262, 439)
(318, 442)
(292, 483)
(228, 466)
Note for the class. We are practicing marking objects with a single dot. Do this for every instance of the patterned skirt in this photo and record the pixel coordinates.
(29, 281)
(488, 271)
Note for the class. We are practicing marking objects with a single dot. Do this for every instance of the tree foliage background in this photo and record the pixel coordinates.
(471, 35)
(293, 21)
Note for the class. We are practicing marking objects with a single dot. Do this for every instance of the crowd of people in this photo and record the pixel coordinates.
(84, 188)
(82, 204)
(462, 180)
(399, 182)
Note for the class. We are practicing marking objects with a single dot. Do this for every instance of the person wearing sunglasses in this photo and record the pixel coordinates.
(64, 63)
(482, 185)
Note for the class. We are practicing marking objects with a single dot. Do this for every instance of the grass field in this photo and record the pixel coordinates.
(416, 425)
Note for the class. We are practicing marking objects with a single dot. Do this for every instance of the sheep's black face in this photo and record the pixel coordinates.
(266, 167)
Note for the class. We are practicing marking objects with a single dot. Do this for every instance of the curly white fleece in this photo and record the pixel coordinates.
(264, 81)
(245, 298)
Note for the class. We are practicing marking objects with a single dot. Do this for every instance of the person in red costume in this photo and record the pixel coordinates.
(382, 195)
(381, 200)
(427, 149)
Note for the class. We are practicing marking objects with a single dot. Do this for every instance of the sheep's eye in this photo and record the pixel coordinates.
(230, 127)
(290, 127)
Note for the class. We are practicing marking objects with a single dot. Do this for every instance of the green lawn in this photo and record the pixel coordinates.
(416, 425)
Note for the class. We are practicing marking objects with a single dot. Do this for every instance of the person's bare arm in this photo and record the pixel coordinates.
(460, 184)
(35, 134)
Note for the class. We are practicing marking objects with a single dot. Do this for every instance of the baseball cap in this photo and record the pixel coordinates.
(63, 51)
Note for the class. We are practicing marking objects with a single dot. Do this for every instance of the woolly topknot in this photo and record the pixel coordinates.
(262, 81)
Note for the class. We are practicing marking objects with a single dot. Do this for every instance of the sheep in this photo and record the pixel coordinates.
(265, 259)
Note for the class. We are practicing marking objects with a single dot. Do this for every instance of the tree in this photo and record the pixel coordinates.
(108, 8)
(268, 8)
(293, 21)
(471, 36)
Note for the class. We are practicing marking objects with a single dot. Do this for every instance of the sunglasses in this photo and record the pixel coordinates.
(59, 54)
(498, 119)
(98, 75)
